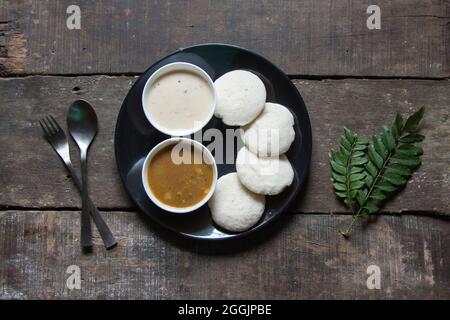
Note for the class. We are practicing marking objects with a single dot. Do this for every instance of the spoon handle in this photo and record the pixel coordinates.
(86, 230)
(108, 238)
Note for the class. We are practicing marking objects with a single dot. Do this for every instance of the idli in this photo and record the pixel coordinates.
(240, 97)
(233, 207)
(267, 176)
(272, 132)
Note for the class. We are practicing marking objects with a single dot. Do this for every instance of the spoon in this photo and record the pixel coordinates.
(82, 123)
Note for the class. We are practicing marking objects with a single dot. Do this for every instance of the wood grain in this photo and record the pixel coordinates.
(321, 38)
(304, 258)
(33, 177)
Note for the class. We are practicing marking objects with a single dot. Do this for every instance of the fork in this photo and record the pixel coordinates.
(58, 140)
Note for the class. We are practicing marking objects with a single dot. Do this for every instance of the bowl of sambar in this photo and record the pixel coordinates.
(179, 175)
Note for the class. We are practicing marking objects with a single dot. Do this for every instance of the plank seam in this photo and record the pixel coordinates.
(428, 213)
(291, 76)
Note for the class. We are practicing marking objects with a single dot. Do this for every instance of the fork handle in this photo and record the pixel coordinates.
(106, 234)
(86, 229)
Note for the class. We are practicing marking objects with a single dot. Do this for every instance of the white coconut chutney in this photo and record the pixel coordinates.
(180, 100)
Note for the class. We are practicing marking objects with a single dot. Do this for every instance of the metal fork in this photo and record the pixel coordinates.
(58, 140)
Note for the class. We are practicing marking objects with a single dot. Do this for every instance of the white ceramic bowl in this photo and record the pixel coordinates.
(181, 66)
(207, 155)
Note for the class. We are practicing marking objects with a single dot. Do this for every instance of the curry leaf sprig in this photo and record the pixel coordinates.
(365, 174)
(347, 163)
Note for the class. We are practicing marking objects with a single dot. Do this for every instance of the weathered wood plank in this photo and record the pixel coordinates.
(365, 106)
(304, 258)
(302, 37)
(50, 188)
(33, 177)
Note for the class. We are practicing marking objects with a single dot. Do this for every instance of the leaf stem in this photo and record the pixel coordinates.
(358, 213)
(346, 234)
(347, 178)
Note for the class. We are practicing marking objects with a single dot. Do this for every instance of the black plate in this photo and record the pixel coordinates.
(134, 137)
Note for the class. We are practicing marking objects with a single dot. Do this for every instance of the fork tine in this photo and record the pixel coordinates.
(52, 126)
(55, 123)
(47, 126)
(44, 127)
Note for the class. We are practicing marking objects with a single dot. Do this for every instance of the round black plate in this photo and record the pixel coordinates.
(134, 137)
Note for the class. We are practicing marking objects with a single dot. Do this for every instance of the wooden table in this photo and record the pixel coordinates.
(347, 74)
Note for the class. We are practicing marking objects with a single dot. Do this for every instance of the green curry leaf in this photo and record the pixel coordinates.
(365, 174)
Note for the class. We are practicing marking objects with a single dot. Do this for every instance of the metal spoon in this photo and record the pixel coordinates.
(82, 123)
